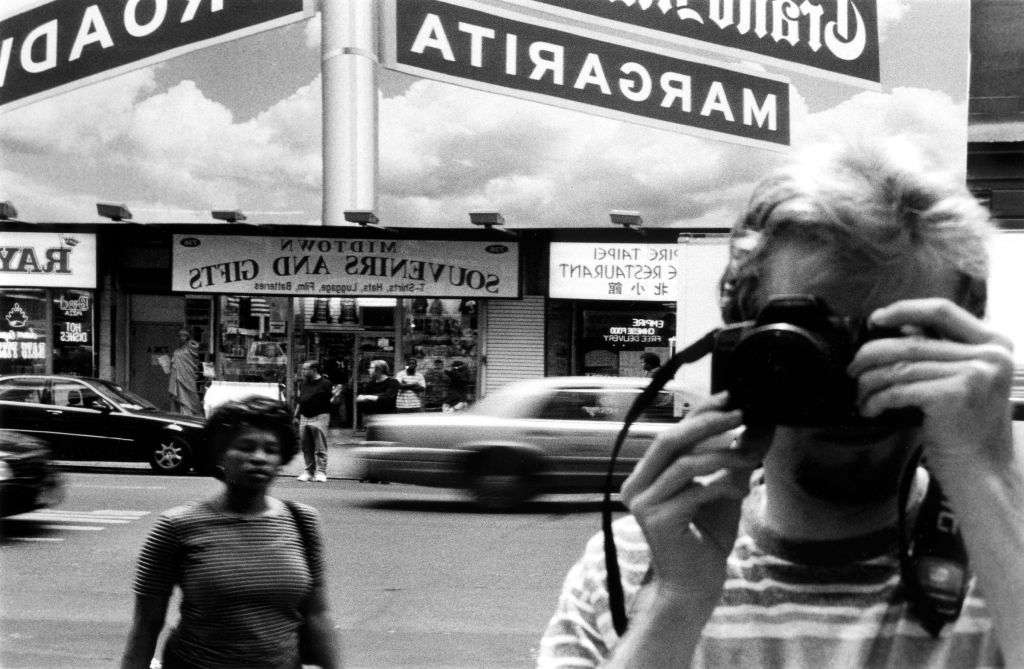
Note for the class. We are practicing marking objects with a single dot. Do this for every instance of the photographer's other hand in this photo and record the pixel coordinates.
(686, 495)
(960, 377)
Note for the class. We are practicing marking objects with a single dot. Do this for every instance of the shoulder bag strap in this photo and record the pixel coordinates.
(303, 531)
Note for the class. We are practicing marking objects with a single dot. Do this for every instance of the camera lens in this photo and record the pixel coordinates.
(783, 374)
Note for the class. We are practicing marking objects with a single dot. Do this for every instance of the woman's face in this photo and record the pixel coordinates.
(251, 459)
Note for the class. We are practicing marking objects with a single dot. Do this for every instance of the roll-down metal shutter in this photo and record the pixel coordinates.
(515, 341)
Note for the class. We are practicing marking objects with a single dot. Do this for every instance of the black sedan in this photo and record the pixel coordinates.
(27, 479)
(90, 419)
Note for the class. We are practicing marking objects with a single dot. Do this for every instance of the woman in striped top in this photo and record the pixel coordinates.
(250, 567)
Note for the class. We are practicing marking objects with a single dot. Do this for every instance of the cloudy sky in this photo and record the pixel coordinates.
(238, 126)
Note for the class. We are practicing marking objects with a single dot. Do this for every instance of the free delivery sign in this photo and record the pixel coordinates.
(58, 45)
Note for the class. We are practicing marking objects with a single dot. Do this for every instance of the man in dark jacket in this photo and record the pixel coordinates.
(313, 411)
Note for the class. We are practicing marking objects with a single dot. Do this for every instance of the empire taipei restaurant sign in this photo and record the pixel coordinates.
(62, 44)
(488, 48)
(631, 272)
(333, 267)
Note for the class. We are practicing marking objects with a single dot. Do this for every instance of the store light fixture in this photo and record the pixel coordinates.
(366, 219)
(489, 220)
(232, 216)
(628, 219)
(8, 212)
(115, 212)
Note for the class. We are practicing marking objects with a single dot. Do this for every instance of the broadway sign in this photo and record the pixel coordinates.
(64, 44)
(835, 39)
(331, 267)
(484, 47)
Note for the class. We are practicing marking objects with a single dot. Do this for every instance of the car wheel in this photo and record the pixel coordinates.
(170, 455)
(501, 478)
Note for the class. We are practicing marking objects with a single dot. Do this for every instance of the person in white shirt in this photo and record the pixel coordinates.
(411, 386)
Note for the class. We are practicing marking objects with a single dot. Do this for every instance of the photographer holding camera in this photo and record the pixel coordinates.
(772, 529)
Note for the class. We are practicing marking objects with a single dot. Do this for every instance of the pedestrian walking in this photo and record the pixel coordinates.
(250, 567)
(313, 412)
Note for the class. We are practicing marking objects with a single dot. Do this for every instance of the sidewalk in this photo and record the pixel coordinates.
(339, 466)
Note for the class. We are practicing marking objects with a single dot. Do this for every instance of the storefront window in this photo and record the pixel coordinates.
(254, 339)
(437, 333)
(73, 332)
(23, 331)
(614, 339)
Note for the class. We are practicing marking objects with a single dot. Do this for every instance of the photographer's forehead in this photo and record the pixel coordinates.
(801, 268)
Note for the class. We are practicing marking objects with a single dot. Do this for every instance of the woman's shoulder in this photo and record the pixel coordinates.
(187, 511)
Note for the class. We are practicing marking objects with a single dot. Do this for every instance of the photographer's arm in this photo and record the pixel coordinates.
(961, 381)
(686, 495)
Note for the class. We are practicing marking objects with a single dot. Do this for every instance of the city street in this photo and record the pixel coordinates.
(418, 577)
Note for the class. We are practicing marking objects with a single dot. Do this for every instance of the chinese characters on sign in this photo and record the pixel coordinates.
(644, 272)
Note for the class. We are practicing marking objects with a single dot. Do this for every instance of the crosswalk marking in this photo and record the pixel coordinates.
(57, 520)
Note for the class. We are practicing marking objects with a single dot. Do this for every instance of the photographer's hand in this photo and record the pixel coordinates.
(686, 495)
(960, 379)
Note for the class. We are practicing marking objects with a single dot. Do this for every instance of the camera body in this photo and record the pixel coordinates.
(788, 366)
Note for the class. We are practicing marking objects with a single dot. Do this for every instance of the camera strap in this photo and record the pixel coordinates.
(616, 596)
(933, 557)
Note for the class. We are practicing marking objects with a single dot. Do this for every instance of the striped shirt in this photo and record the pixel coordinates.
(774, 612)
(243, 582)
(409, 399)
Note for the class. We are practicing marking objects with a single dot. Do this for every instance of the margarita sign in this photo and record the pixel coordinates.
(488, 48)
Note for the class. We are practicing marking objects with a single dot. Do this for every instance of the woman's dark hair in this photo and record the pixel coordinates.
(262, 413)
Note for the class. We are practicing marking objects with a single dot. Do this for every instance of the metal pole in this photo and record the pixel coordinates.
(349, 59)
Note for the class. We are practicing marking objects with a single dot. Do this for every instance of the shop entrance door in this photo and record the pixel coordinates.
(151, 348)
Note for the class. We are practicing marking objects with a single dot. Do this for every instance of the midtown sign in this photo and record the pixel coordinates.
(484, 47)
(59, 45)
(331, 267)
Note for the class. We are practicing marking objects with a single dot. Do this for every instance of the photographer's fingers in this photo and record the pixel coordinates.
(700, 425)
(682, 475)
(941, 316)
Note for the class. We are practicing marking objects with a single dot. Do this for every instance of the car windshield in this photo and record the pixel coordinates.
(507, 402)
(126, 399)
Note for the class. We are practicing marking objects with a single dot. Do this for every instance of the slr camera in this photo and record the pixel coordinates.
(788, 366)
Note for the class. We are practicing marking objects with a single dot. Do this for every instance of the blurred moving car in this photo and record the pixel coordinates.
(550, 435)
(89, 419)
(27, 479)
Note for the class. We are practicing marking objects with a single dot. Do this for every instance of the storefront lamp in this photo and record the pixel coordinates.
(229, 216)
(366, 219)
(489, 219)
(8, 212)
(115, 212)
(628, 219)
